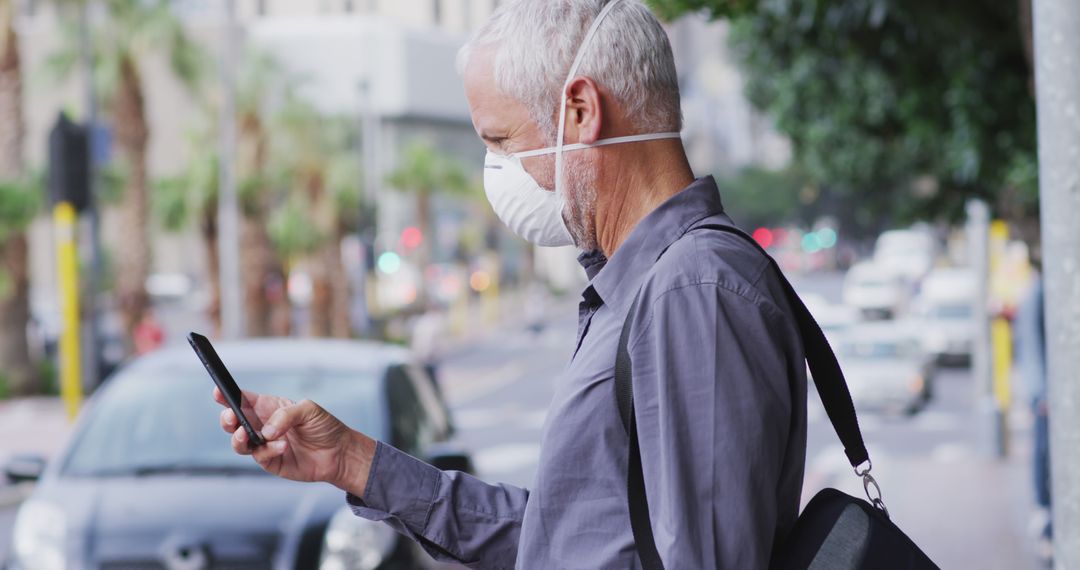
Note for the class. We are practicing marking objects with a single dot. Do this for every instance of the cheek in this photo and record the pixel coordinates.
(542, 170)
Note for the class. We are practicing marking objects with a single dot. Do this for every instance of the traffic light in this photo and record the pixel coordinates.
(764, 237)
(69, 164)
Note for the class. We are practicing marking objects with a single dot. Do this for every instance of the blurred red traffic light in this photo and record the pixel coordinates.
(764, 237)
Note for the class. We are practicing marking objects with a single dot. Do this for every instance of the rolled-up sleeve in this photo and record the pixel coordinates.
(711, 383)
(454, 516)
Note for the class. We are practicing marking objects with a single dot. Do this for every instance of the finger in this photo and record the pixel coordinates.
(265, 453)
(287, 417)
(228, 420)
(219, 397)
(240, 442)
(248, 399)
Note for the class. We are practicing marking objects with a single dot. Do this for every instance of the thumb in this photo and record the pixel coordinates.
(288, 417)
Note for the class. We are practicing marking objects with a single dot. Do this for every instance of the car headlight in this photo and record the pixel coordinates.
(355, 543)
(38, 541)
(917, 384)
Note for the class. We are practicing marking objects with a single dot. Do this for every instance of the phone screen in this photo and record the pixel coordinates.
(220, 375)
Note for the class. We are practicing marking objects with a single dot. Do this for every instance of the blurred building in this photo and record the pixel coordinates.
(388, 65)
(721, 129)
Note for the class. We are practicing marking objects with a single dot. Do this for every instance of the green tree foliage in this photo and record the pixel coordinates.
(20, 201)
(758, 197)
(906, 109)
(323, 205)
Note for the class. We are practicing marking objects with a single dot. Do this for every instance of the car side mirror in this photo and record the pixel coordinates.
(21, 468)
(449, 459)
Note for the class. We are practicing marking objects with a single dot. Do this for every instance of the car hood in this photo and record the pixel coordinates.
(255, 520)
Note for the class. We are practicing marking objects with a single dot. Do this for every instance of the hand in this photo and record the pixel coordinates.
(303, 441)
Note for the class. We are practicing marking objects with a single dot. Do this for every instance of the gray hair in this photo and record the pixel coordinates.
(630, 56)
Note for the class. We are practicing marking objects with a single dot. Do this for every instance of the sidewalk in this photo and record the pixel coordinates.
(36, 425)
(962, 507)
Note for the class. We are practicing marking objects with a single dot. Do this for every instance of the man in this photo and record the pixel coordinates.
(578, 104)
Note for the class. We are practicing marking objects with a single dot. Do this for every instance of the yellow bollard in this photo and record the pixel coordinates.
(1001, 341)
(68, 272)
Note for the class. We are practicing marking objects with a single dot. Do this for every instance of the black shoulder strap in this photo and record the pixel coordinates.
(825, 370)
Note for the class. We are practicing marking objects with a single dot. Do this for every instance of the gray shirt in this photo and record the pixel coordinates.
(720, 394)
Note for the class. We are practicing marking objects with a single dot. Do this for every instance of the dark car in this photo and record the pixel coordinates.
(150, 481)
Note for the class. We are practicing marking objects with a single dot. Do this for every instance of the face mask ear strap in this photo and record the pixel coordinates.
(566, 84)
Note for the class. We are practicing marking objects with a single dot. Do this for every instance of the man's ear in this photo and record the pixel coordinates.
(584, 112)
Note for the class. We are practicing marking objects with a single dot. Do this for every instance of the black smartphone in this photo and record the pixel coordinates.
(224, 381)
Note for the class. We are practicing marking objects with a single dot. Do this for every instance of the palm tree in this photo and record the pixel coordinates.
(130, 31)
(325, 193)
(18, 203)
(266, 306)
(193, 196)
(423, 171)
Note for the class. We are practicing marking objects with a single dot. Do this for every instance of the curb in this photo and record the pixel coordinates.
(12, 495)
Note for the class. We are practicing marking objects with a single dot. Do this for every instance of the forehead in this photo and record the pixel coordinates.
(493, 112)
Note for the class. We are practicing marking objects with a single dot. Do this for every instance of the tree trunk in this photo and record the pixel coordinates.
(266, 302)
(208, 229)
(15, 365)
(133, 249)
(329, 283)
(340, 326)
(321, 263)
(426, 249)
(330, 292)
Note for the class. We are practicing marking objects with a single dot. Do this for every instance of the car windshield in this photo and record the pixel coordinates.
(957, 311)
(874, 350)
(165, 421)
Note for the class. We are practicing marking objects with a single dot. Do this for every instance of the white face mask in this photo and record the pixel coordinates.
(524, 206)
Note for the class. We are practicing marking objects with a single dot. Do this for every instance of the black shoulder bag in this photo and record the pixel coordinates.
(835, 530)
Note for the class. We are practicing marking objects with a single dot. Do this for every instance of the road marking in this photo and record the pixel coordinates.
(936, 421)
(952, 452)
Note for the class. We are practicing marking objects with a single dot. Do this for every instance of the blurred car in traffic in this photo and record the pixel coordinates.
(43, 334)
(875, 291)
(906, 253)
(834, 319)
(885, 368)
(946, 314)
(149, 479)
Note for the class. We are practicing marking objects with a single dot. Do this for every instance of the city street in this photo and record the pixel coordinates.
(938, 482)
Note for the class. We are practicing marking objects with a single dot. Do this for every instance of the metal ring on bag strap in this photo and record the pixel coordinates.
(875, 497)
(869, 481)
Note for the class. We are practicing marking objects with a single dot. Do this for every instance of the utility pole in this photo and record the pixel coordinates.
(92, 323)
(228, 210)
(1057, 85)
(991, 418)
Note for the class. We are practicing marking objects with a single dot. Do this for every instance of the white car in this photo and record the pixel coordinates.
(834, 319)
(885, 367)
(907, 253)
(946, 312)
(874, 290)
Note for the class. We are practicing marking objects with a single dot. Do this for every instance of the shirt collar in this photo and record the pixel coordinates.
(618, 280)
